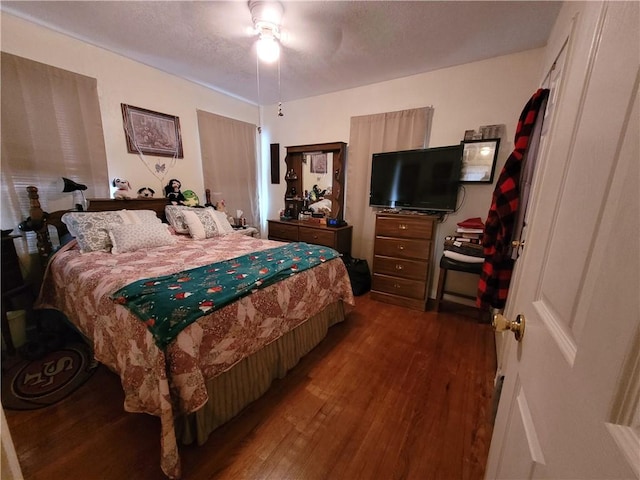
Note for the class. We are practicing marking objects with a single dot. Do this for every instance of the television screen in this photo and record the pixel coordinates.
(426, 179)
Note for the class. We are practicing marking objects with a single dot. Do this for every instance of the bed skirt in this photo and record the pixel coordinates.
(249, 379)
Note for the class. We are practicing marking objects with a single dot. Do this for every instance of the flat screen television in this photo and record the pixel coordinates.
(426, 179)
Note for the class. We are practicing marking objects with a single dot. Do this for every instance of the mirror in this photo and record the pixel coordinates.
(319, 165)
(318, 181)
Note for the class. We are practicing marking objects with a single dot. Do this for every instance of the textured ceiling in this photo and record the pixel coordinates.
(328, 46)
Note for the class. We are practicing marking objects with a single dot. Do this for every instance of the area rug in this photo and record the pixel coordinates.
(38, 383)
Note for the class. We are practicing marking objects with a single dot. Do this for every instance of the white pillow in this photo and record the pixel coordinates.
(201, 223)
(140, 216)
(131, 237)
(222, 221)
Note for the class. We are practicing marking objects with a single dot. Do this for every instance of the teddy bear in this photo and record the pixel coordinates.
(123, 189)
(173, 193)
(146, 192)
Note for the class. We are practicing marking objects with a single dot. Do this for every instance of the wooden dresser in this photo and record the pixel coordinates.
(338, 238)
(402, 254)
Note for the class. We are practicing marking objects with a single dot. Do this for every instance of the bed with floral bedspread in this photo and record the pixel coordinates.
(170, 382)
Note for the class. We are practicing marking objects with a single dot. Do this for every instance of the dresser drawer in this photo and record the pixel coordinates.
(403, 248)
(404, 226)
(318, 236)
(282, 231)
(399, 267)
(399, 286)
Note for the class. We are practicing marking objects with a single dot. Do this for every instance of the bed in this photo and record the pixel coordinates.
(217, 364)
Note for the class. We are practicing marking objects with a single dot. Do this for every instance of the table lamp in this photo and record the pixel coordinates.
(79, 201)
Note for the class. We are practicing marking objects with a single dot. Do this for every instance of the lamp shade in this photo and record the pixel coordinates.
(71, 186)
(79, 201)
(268, 48)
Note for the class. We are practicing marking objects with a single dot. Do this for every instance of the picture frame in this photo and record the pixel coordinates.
(151, 133)
(319, 163)
(479, 159)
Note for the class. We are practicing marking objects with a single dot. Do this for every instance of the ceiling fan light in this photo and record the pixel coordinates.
(268, 49)
(266, 11)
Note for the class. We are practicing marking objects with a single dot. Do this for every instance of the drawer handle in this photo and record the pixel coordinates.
(395, 285)
(398, 266)
(403, 226)
(400, 247)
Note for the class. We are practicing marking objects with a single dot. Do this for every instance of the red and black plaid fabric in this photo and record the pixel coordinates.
(493, 286)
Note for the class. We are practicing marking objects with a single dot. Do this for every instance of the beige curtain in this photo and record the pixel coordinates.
(51, 128)
(230, 163)
(369, 134)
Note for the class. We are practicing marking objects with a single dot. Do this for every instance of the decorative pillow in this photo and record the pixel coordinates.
(131, 237)
(222, 222)
(90, 229)
(201, 223)
(175, 219)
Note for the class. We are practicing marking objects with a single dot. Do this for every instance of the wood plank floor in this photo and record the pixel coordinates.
(389, 394)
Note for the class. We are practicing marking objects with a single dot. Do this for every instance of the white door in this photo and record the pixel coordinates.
(570, 401)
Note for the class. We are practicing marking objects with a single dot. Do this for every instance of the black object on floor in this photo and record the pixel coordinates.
(359, 274)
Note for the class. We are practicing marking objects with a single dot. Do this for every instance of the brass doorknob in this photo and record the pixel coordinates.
(500, 323)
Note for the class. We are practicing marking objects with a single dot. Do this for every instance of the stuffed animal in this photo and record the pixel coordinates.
(123, 189)
(191, 199)
(146, 192)
(173, 193)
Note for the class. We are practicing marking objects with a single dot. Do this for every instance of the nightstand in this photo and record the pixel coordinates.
(13, 287)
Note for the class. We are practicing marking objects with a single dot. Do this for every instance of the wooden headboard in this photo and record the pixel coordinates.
(106, 204)
(40, 221)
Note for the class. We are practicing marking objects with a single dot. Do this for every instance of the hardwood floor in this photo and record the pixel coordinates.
(391, 393)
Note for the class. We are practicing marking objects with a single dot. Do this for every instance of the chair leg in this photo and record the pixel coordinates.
(440, 292)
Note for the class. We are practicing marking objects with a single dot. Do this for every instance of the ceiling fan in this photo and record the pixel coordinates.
(297, 27)
(267, 19)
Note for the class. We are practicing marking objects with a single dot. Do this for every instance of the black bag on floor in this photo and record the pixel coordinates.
(358, 270)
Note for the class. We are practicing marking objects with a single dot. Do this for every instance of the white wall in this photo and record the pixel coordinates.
(464, 97)
(493, 91)
(121, 80)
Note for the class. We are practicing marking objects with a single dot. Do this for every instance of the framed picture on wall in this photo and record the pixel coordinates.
(151, 133)
(319, 163)
(479, 160)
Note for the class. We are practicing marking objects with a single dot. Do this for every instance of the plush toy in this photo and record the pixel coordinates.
(173, 193)
(123, 189)
(191, 199)
(316, 194)
(146, 192)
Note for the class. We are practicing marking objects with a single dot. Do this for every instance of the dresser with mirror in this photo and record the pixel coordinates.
(314, 180)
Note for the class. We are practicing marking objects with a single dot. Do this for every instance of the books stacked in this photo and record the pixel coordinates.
(466, 244)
